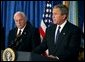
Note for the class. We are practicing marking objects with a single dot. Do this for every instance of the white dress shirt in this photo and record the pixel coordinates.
(21, 30)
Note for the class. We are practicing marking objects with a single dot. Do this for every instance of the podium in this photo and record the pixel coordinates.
(28, 56)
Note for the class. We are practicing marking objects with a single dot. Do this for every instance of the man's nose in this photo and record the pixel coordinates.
(18, 22)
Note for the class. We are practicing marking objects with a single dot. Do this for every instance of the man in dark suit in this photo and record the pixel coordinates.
(22, 38)
(62, 38)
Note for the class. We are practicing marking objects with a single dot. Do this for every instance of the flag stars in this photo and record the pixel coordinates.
(49, 16)
(49, 21)
(48, 5)
(50, 10)
(46, 15)
(45, 20)
(47, 10)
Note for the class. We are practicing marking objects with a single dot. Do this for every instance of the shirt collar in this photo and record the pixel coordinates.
(62, 25)
(21, 29)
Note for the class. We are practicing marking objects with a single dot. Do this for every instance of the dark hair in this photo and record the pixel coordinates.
(63, 9)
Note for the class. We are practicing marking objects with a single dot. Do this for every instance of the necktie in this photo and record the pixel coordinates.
(19, 33)
(58, 32)
(18, 38)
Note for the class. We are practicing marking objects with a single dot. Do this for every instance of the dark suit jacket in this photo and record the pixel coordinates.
(26, 42)
(67, 46)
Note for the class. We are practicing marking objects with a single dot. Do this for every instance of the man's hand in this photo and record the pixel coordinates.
(53, 57)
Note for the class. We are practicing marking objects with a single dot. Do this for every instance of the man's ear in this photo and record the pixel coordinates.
(64, 16)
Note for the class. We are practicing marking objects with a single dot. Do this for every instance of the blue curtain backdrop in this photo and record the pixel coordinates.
(33, 10)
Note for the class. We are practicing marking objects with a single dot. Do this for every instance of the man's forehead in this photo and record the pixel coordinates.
(56, 10)
(19, 16)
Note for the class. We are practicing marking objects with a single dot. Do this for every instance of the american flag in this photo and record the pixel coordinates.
(46, 20)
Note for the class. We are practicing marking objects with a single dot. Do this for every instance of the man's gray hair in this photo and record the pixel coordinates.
(22, 13)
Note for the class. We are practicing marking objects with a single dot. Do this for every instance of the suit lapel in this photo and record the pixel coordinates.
(64, 30)
(26, 30)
